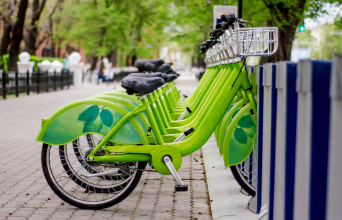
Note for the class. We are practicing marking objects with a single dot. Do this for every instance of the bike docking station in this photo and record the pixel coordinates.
(96, 149)
(277, 127)
(299, 140)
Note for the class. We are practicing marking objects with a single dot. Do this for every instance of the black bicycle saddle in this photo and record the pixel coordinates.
(163, 68)
(148, 65)
(149, 75)
(141, 85)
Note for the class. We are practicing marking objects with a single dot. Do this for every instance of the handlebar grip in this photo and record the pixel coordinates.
(222, 26)
(215, 42)
(216, 32)
(214, 37)
(211, 43)
(219, 26)
(230, 19)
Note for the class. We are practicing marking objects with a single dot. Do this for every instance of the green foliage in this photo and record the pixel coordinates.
(134, 28)
(33, 58)
(5, 59)
(338, 21)
(330, 44)
(139, 28)
(193, 19)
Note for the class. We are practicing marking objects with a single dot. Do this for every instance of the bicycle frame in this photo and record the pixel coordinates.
(235, 81)
(232, 80)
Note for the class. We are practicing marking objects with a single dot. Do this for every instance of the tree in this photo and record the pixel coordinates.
(32, 29)
(196, 17)
(17, 35)
(286, 16)
(126, 29)
(7, 9)
(330, 44)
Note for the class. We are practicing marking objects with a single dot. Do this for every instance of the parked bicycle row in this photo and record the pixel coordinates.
(95, 150)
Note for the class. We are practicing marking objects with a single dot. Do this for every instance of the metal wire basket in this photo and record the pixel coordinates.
(243, 42)
(256, 41)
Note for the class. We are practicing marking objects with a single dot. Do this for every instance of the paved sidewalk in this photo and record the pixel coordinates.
(226, 199)
(24, 193)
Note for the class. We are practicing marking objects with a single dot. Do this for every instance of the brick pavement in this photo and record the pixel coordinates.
(24, 193)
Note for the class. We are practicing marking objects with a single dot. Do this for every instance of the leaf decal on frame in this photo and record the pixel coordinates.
(95, 125)
(240, 135)
(246, 122)
(250, 132)
(106, 117)
(90, 114)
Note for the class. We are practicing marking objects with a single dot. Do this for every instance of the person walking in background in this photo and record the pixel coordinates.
(66, 61)
(100, 73)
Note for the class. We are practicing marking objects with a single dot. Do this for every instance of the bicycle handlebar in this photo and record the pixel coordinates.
(222, 26)
(216, 32)
(230, 19)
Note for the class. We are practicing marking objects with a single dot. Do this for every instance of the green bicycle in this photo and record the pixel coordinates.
(95, 150)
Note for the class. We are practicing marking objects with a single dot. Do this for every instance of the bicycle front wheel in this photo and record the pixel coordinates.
(68, 178)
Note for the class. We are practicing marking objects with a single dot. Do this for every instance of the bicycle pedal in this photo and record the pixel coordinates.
(181, 188)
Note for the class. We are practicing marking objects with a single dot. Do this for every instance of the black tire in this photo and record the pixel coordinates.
(242, 180)
(57, 187)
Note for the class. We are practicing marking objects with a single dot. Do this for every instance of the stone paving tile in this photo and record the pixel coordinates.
(25, 194)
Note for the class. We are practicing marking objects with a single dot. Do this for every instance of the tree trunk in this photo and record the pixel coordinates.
(193, 63)
(93, 61)
(53, 42)
(6, 39)
(285, 38)
(58, 48)
(113, 57)
(127, 60)
(32, 33)
(134, 58)
(17, 35)
(53, 48)
(281, 12)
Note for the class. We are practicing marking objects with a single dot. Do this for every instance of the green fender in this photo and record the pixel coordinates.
(217, 130)
(142, 118)
(219, 126)
(232, 111)
(239, 139)
(127, 105)
(90, 116)
(134, 99)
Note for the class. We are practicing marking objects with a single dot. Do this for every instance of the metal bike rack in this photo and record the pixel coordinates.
(254, 203)
(269, 134)
(285, 140)
(313, 81)
(334, 192)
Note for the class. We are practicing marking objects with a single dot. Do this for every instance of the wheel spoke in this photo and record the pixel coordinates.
(68, 170)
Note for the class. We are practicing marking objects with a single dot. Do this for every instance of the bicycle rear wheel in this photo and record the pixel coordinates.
(67, 177)
(245, 174)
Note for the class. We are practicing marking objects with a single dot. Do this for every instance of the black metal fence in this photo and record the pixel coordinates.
(15, 83)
